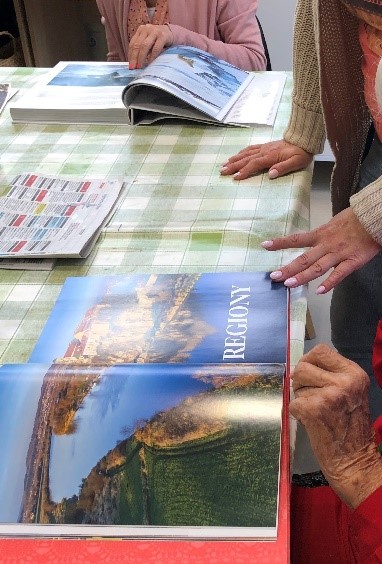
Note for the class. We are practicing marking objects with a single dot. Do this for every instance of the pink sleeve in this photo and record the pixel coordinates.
(240, 44)
(366, 529)
(115, 22)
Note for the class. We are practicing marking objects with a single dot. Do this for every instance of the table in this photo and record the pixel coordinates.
(178, 214)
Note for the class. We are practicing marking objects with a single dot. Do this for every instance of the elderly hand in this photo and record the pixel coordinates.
(342, 243)
(279, 157)
(147, 43)
(331, 402)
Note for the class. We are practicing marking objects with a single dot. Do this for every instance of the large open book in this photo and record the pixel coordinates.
(182, 82)
(154, 408)
(189, 83)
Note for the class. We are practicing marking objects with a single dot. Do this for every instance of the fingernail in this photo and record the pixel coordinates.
(266, 244)
(320, 290)
(276, 275)
(236, 175)
(273, 173)
(223, 168)
(290, 282)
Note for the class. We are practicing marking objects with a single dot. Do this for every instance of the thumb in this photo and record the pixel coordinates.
(296, 162)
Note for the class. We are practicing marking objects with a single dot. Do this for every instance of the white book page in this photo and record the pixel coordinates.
(73, 85)
(259, 102)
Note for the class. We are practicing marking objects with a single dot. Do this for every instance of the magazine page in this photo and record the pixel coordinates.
(140, 450)
(227, 317)
(45, 216)
(195, 76)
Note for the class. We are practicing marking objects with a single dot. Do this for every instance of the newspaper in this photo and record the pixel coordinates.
(52, 217)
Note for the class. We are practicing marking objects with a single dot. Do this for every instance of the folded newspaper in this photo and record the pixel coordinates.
(51, 217)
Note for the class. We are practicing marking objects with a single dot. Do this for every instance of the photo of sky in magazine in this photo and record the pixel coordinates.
(143, 445)
(195, 76)
(212, 317)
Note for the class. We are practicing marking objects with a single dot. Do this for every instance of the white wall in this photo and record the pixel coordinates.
(276, 17)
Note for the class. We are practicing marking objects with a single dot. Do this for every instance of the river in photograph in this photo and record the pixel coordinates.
(109, 414)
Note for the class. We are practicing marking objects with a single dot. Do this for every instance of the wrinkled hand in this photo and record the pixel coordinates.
(279, 157)
(331, 402)
(342, 243)
(147, 43)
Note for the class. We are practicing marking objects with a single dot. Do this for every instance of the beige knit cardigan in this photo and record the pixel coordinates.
(328, 100)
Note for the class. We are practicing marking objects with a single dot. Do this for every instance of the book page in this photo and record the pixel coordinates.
(158, 318)
(196, 77)
(43, 216)
(141, 450)
(259, 102)
(76, 85)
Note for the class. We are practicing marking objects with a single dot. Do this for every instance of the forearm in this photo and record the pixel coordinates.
(242, 56)
(366, 529)
(112, 16)
(232, 34)
(362, 481)
(306, 125)
(367, 206)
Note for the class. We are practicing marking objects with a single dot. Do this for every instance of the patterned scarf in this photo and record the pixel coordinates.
(138, 15)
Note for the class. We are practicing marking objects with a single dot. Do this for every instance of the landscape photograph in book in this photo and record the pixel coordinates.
(165, 318)
(140, 444)
(90, 74)
(195, 76)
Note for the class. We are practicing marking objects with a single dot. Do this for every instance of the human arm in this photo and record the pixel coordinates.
(226, 29)
(305, 133)
(278, 157)
(331, 402)
(114, 18)
(343, 243)
(365, 529)
(147, 43)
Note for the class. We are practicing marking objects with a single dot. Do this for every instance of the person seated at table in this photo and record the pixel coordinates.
(336, 515)
(138, 30)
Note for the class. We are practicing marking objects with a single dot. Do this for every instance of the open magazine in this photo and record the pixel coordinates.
(183, 439)
(182, 82)
(51, 217)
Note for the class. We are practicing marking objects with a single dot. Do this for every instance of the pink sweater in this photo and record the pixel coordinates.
(226, 28)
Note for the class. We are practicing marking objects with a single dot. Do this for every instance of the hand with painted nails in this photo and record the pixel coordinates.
(278, 157)
(147, 43)
(342, 244)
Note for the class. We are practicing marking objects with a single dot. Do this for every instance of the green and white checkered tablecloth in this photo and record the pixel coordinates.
(177, 214)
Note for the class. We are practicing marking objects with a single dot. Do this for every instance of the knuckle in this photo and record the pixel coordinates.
(318, 268)
(294, 238)
(338, 274)
(303, 259)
